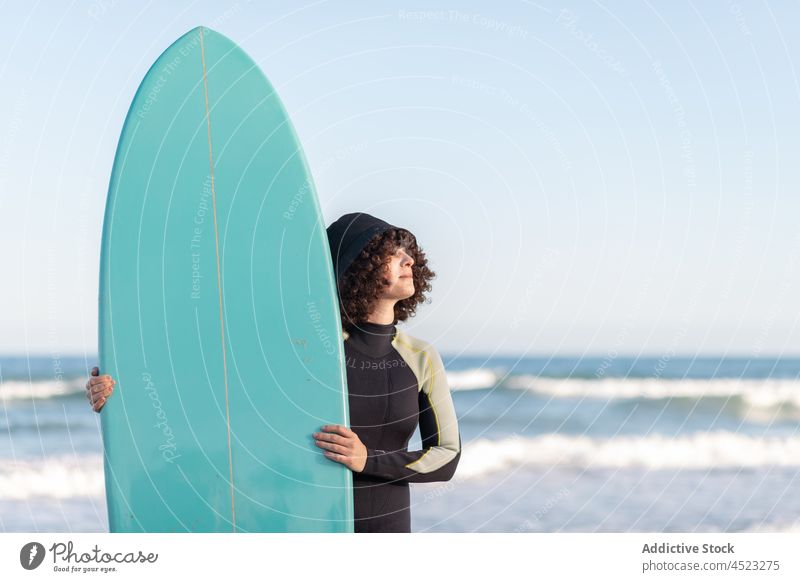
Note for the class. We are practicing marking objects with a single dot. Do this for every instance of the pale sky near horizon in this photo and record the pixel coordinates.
(584, 177)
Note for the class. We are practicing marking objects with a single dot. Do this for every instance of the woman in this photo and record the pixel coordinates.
(395, 381)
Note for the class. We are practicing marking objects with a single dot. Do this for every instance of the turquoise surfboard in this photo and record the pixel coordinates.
(217, 310)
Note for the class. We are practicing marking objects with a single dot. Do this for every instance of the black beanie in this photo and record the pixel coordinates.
(348, 236)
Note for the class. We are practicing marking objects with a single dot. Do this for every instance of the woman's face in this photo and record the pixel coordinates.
(398, 272)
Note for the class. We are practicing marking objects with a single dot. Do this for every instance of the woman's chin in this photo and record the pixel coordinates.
(403, 290)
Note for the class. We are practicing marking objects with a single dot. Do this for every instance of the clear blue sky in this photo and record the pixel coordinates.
(584, 177)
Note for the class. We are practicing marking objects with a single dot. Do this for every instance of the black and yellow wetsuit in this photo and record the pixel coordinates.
(396, 381)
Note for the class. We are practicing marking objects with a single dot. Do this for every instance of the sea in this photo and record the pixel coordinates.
(550, 444)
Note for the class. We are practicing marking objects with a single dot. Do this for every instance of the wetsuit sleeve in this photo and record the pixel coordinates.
(438, 425)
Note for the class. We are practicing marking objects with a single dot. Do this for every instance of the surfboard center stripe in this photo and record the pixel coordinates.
(219, 276)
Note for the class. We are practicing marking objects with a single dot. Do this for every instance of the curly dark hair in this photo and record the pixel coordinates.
(364, 279)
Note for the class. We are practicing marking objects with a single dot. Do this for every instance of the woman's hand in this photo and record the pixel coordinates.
(343, 446)
(99, 388)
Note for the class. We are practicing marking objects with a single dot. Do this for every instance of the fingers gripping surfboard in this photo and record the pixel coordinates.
(217, 310)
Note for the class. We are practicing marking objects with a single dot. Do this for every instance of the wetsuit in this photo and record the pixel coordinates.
(396, 381)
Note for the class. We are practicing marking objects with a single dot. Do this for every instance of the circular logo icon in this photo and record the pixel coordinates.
(31, 555)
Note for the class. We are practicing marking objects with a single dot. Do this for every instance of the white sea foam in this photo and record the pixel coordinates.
(702, 450)
(56, 477)
(68, 477)
(473, 379)
(42, 389)
(757, 393)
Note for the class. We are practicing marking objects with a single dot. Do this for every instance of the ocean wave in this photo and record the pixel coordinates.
(702, 450)
(41, 389)
(763, 393)
(473, 379)
(57, 478)
(41, 424)
(82, 476)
